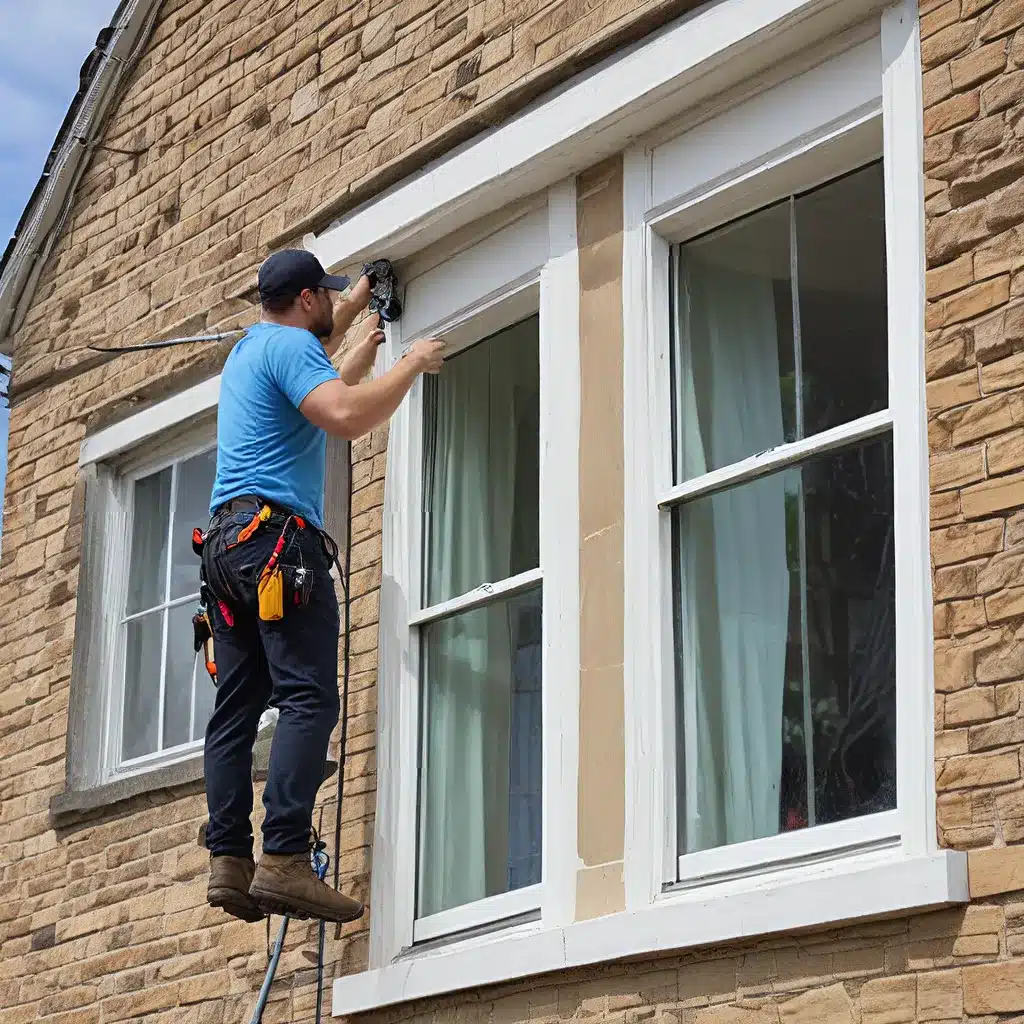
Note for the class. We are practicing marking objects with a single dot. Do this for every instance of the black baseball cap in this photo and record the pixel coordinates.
(287, 273)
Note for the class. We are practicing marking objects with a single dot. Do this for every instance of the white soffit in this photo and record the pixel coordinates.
(592, 117)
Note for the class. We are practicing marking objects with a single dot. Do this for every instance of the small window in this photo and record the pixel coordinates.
(167, 695)
(480, 632)
(783, 574)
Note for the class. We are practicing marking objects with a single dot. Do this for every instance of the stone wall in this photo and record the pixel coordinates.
(973, 56)
(243, 121)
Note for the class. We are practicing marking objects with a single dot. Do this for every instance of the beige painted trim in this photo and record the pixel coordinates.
(599, 891)
(601, 823)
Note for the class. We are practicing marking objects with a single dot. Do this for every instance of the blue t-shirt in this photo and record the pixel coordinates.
(265, 446)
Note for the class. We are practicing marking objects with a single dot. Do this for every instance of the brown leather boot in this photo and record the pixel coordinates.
(285, 884)
(228, 888)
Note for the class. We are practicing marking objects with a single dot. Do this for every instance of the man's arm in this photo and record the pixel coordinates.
(349, 411)
(361, 355)
(346, 310)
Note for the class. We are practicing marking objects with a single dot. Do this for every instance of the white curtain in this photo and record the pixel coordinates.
(471, 459)
(734, 601)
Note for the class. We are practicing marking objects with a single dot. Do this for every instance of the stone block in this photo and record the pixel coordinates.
(1005, 453)
(972, 770)
(996, 871)
(951, 113)
(1005, 91)
(955, 233)
(947, 352)
(829, 1005)
(951, 277)
(1005, 732)
(948, 392)
(1005, 208)
(956, 581)
(993, 496)
(939, 18)
(964, 542)
(966, 707)
(1004, 18)
(305, 103)
(889, 1001)
(1001, 571)
(970, 303)
(978, 65)
(1005, 604)
(955, 469)
(945, 44)
(735, 1015)
(994, 988)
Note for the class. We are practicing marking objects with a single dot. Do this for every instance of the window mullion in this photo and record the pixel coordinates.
(798, 387)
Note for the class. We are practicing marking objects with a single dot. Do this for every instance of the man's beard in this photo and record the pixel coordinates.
(324, 328)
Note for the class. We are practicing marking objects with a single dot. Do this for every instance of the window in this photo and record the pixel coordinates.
(167, 695)
(783, 633)
(479, 560)
(480, 749)
(783, 575)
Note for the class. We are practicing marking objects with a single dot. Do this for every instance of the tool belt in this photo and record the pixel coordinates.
(270, 588)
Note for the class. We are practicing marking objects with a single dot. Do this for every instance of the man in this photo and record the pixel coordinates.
(280, 397)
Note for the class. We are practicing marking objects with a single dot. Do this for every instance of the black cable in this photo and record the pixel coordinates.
(167, 344)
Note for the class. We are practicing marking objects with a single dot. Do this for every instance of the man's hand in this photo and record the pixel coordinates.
(360, 357)
(358, 294)
(427, 355)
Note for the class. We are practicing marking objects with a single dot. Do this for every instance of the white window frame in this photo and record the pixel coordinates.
(171, 431)
(831, 119)
(701, 64)
(517, 271)
(196, 441)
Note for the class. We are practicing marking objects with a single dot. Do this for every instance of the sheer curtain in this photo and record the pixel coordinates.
(471, 460)
(733, 569)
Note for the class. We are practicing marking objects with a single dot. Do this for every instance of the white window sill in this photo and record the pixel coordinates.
(868, 886)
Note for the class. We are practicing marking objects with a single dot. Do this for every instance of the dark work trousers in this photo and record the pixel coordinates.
(292, 664)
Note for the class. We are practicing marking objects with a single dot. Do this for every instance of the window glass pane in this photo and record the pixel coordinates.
(733, 373)
(147, 575)
(840, 231)
(482, 464)
(191, 508)
(178, 687)
(480, 785)
(748, 375)
(141, 716)
(785, 600)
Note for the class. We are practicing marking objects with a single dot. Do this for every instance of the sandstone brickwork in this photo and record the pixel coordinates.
(973, 54)
(245, 122)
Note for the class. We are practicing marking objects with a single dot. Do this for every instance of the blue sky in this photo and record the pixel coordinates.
(43, 44)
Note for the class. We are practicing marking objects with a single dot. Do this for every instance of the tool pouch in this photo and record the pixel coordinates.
(271, 595)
